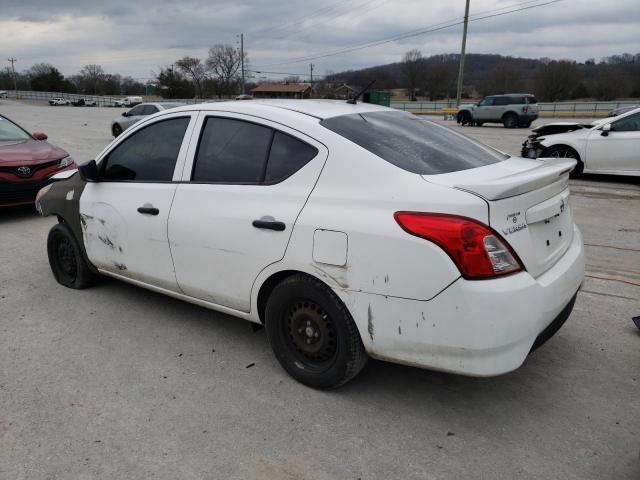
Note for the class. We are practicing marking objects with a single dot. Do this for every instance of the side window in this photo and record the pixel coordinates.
(627, 124)
(232, 151)
(531, 100)
(516, 101)
(136, 111)
(501, 101)
(149, 110)
(149, 155)
(287, 156)
(486, 102)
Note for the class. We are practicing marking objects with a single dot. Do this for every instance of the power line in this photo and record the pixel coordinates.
(405, 35)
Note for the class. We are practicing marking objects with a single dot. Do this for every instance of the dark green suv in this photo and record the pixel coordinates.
(512, 110)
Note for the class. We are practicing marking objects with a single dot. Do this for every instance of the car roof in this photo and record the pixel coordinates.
(513, 95)
(320, 109)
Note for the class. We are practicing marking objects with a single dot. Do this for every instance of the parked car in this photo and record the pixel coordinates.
(59, 101)
(4, 94)
(128, 102)
(137, 113)
(620, 110)
(449, 256)
(84, 102)
(244, 96)
(606, 146)
(512, 110)
(27, 163)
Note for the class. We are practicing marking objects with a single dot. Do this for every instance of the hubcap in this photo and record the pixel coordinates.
(311, 333)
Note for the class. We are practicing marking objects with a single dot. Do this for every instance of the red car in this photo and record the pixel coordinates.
(27, 163)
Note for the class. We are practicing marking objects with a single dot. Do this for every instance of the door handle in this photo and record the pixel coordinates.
(269, 225)
(148, 210)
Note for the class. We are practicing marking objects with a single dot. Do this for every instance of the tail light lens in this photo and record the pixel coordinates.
(475, 248)
(525, 109)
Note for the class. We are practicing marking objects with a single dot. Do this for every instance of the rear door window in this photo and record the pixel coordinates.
(287, 156)
(516, 101)
(237, 152)
(501, 101)
(232, 151)
(413, 144)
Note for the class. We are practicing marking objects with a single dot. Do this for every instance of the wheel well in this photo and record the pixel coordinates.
(506, 114)
(268, 286)
(561, 145)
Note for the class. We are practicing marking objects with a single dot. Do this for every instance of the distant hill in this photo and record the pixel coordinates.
(617, 76)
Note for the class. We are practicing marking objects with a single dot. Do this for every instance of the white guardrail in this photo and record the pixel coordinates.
(572, 109)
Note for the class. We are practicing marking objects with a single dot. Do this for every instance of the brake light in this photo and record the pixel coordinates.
(525, 109)
(475, 248)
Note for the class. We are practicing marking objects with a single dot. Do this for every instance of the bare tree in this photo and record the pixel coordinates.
(92, 74)
(413, 67)
(195, 70)
(556, 80)
(224, 63)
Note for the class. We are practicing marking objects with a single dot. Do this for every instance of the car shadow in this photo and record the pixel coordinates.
(379, 381)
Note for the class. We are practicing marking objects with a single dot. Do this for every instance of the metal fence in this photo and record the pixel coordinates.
(547, 109)
(101, 101)
(550, 109)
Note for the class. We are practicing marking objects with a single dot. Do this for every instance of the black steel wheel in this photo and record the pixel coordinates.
(66, 259)
(312, 333)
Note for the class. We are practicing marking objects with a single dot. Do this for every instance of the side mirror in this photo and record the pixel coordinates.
(89, 171)
(125, 114)
(39, 136)
(606, 129)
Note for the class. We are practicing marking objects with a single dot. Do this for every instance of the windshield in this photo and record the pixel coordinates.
(413, 144)
(10, 131)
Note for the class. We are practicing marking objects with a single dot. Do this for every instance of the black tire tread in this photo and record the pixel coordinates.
(357, 354)
(84, 276)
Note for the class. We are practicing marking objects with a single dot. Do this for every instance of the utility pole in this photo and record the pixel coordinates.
(13, 69)
(462, 52)
(311, 78)
(242, 59)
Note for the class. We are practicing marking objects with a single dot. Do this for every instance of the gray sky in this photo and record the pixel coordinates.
(137, 37)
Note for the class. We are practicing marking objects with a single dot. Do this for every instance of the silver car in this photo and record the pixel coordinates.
(126, 119)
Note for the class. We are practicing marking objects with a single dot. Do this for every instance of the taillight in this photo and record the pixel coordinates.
(476, 249)
(525, 109)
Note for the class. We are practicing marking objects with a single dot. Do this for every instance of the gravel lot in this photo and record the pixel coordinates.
(117, 382)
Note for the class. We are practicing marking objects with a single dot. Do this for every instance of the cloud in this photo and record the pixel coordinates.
(137, 38)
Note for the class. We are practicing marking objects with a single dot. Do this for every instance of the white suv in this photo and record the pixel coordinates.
(347, 230)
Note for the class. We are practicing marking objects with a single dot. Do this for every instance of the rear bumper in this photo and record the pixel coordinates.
(479, 328)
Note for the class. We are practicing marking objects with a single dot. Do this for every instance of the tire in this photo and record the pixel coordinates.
(510, 120)
(116, 130)
(478, 124)
(66, 260)
(562, 151)
(464, 117)
(312, 333)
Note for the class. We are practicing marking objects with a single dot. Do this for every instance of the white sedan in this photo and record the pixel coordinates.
(346, 230)
(607, 146)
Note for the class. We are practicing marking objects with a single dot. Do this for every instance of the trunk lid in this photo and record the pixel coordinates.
(528, 204)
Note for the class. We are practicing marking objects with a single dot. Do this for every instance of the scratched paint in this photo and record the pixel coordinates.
(370, 327)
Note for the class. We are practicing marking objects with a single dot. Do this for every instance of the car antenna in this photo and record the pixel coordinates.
(354, 100)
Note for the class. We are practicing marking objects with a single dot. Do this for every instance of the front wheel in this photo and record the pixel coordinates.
(312, 333)
(66, 260)
(561, 151)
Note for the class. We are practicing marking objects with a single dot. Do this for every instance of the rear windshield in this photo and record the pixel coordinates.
(411, 143)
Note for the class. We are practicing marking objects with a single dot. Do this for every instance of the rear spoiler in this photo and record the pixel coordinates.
(515, 183)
